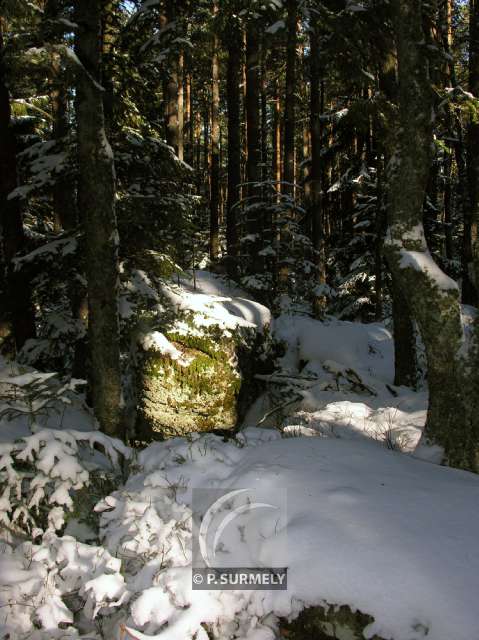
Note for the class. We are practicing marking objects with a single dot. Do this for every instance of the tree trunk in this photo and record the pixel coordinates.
(253, 120)
(108, 36)
(189, 121)
(96, 195)
(276, 137)
(317, 221)
(290, 99)
(254, 220)
(405, 366)
(181, 107)
(215, 148)
(206, 152)
(233, 98)
(171, 86)
(264, 117)
(197, 154)
(448, 222)
(18, 292)
(244, 119)
(432, 297)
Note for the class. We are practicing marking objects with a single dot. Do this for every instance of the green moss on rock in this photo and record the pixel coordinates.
(198, 394)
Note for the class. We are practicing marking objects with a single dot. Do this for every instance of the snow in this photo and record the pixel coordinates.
(207, 298)
(336, 379)
(357, 517)
(423, 261)
(157, 341)
(398, 426)
(216, 301)
(419, 258)
(28, 397)
(385, 533)
(364, 348)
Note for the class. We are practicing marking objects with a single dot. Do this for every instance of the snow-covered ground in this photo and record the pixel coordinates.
(337, 378)
(355, 518)
(385, 533)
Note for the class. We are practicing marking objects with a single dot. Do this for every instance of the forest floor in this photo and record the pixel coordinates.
(332, 487)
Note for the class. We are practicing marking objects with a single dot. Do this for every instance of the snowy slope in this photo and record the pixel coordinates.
(341, 375)
(380, 531)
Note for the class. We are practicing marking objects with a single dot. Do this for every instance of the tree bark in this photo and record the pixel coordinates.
(171, 86)
(96, 195)
(432, 297)
(264, 118)
(108, 36)
(253, 120)
(181, 107)
(290, 99)
(189, 121)
(276, 137)
(405, 365)
(206, 152)
(317, 221)
(254, 220)
(233, 98)
(215, 148)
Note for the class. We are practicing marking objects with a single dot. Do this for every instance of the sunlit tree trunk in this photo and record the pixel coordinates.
(188, 121)
(254, 219)
(276, 136)
(181, 107)
(215, 147)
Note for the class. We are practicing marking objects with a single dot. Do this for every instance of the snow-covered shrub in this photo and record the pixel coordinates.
(40, 472)
(55, 584)
(33, 394)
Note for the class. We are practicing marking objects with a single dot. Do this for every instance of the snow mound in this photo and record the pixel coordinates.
(214, 300)
(366, 348)
(336, 379)
(380, 531)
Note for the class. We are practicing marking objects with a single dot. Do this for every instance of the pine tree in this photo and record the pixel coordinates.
(96, 196)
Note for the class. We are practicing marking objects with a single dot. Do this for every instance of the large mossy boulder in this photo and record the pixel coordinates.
(192, 382)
